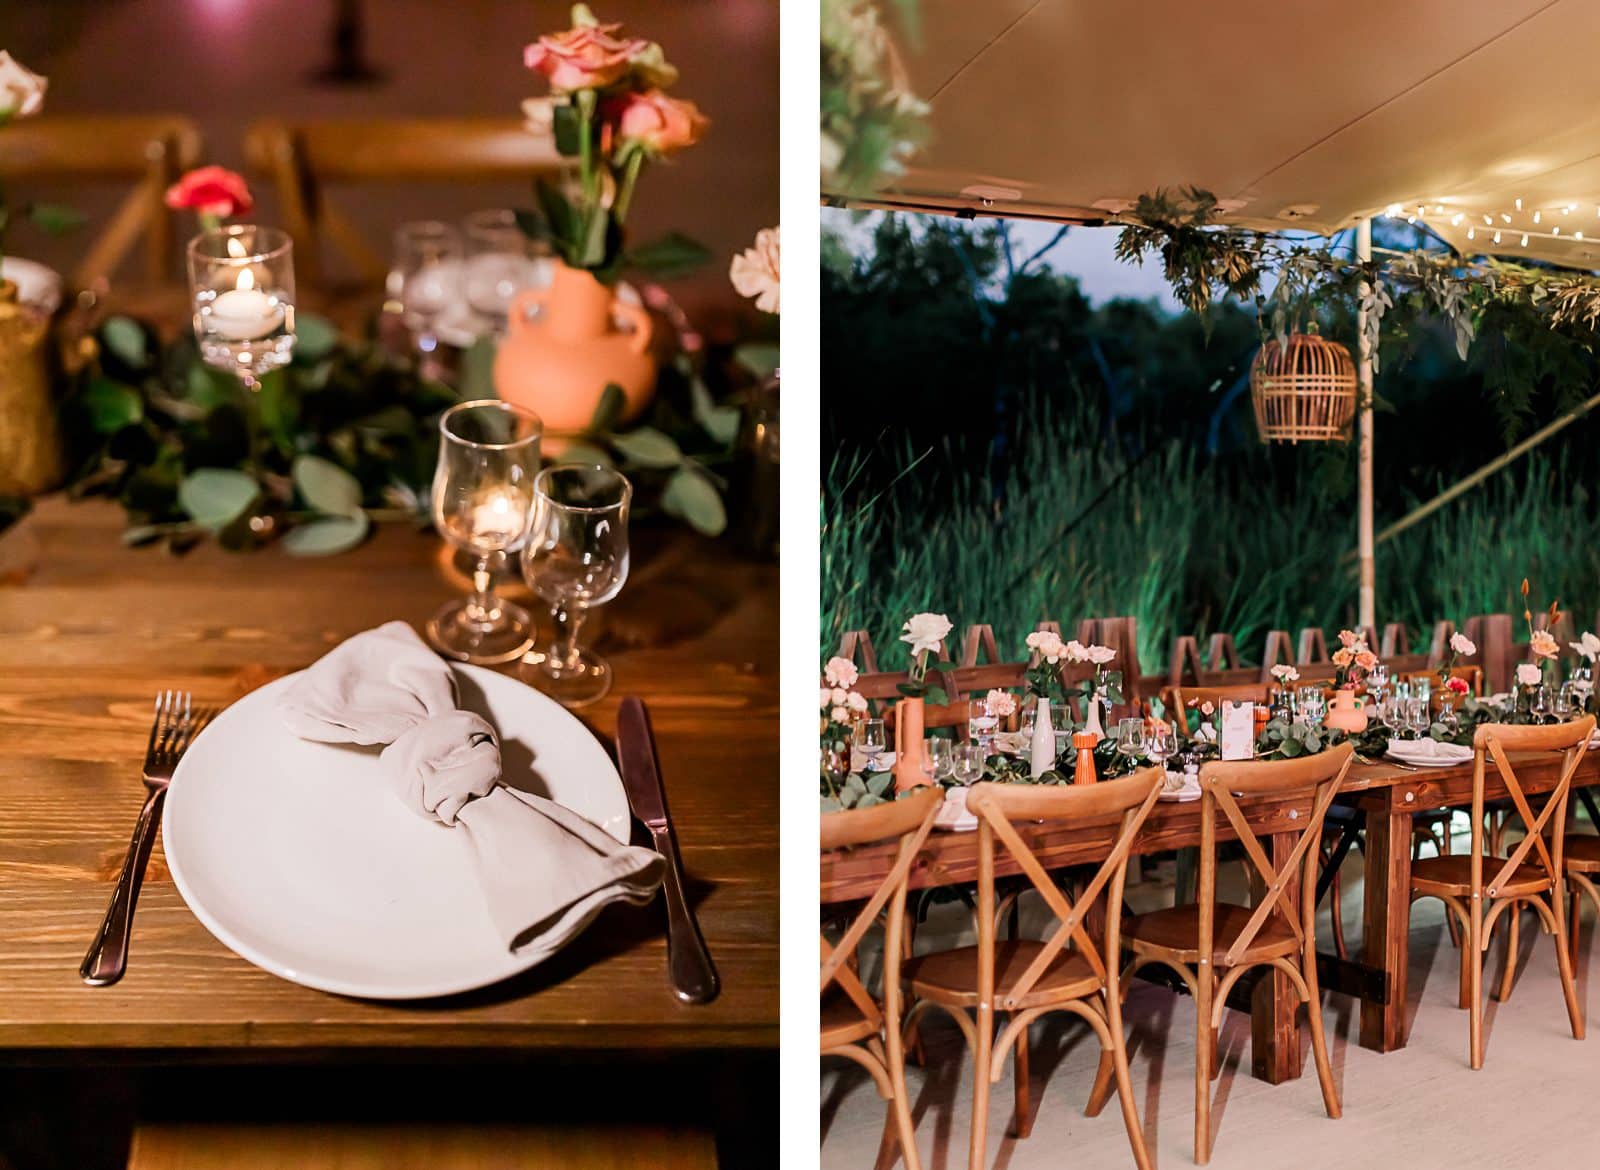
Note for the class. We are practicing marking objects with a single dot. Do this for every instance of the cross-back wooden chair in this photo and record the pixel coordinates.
(148, 150)
(1212, 944)
(1175, 700)
(304, 159)
(1024, 978)
(1479, 888)
(854, 1024)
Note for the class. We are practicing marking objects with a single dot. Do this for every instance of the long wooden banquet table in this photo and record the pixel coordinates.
(1389, 795)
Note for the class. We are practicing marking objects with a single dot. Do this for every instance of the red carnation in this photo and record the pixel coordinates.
(211, 191)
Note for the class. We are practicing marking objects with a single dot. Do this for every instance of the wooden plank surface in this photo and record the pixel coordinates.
(90, 630)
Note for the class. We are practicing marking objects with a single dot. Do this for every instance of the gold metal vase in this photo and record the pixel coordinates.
(30, 441)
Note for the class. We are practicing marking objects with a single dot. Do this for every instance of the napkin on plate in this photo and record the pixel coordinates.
(545, 871)
(1428, 751)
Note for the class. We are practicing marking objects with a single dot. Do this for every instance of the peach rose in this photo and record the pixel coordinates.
(587, 56)
(755, 271)
(656, 122)
(1543, 644)
(1366, 659)
(1343, 656)
(21, 89)
(211, 191)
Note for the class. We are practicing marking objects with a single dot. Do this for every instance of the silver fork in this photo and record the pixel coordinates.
(171, 731)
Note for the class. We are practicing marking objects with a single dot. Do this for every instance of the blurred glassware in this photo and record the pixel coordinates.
(969, 763)
(938, 757)
(241, 284)
(870, 740)
(980, 724)
(426, 278)
(500, 262)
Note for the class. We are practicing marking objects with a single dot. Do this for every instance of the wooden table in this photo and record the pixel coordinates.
(1390, 796)
(89, 631)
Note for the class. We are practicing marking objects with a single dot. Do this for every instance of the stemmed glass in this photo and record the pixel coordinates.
(426, 277)
(1312, 704)
(1539, 704)
(1130, 739)
(241, 285)
(969, 761)
(499, 264)
(871, 739)
(576, 558)
(482, 496)
(1159, 743)
(1417, 717)
(937, 759)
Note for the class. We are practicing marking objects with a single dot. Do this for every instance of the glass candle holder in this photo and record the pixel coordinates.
(500, 263)
(241, 284)
(482, 499)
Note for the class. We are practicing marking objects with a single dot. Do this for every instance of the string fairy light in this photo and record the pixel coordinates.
(1496, 228)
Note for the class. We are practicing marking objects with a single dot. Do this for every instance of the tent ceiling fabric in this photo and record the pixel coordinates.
(1305, 115)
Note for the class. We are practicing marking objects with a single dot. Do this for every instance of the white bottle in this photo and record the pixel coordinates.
(1043, 749)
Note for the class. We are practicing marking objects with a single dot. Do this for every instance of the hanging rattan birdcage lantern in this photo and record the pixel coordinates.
(1304, 389)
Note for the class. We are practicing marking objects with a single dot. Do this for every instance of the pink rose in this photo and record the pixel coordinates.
(1366, 659)
(1543, 644)
(211, 191)
(655, 121)
(1348, 637)
(840, 672)
(586, 57)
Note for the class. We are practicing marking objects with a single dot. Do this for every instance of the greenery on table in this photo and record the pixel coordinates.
(871, 124)
(1103, 460)
(344, 436)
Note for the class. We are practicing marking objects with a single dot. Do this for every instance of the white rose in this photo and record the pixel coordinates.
(856, 702)
(1587, 646)
(1076, 651)
(1100, 655)
(1000, 703)
(925, 631)
(1529, 674)
(841, 672)
(1462, 644)
(839, 715)
(21, 90)
(755, 271)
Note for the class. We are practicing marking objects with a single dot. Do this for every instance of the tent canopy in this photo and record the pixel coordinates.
(1306, 115)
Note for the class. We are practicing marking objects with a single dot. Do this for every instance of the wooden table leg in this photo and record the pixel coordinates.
(1275, 1005)
(1386, 928)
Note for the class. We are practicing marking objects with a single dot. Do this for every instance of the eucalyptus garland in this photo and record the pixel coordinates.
(345, 436)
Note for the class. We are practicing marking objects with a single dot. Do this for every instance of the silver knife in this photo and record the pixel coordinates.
(688, 962)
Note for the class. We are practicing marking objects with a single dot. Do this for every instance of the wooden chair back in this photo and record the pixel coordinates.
(303, 159)
(1176, 700)
(1473, 675)
(1546, 833)
(1221, 783)
(148, 150)
(952, 714)
(909, 819)
(996, 806)
(972, 680)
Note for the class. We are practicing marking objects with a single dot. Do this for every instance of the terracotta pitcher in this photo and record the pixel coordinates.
(558, 363)
(908, 728)
(1345, 712)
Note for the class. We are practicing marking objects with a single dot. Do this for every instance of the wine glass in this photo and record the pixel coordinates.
(1378, 681)
(482, 497)
(1539, 704)
(938, 761)
(871, 739)
(1159, 743)
(1422, 688)
(576, 558)
(499, 264)
(1417, 718)
(1562, 706)
(969, 763)
(981, 724)
(1130, 739)
(426, 277)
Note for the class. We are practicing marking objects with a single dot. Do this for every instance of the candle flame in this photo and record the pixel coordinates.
(247, 279)
(235, 248)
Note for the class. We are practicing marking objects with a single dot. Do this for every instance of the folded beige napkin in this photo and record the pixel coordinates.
(545, 871)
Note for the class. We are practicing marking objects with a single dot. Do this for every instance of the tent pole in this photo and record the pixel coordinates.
(1367, 596)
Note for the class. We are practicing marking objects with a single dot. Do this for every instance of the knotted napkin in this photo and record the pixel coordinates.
(545, 870)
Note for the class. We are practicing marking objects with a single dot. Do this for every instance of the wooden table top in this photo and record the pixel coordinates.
(951, 857)
(89, 631)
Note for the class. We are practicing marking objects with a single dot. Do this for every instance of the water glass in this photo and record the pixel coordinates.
(1159, 742)
(1417, 717)
(1539, 704)
(1563, 706)
(980, 724)
(1378, 680)
(482, 496)
(969, 763)
(1130, 738)
(938, 758)
(870, 740)
(241, 286)
(499, 264)
(1312, 704)
(426, 276)
(575, 558)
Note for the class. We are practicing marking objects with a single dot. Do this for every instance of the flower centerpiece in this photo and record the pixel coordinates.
(1542, 648)
(1102, 687)
(1353, 661)
(841, 707)
(1452, 689)
(1284, 676)
(607, 112)
(1588, 649)
(923, 633)
(1043, 682)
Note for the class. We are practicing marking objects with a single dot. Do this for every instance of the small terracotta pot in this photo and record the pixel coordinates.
(558, 361)
(1345, 713)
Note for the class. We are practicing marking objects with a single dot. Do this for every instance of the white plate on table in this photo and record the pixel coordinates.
(1175, 791)
(1429, 753)
(953, 815)
(299, 857)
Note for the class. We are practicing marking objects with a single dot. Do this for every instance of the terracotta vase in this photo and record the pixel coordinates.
(562, 349)
(908, 728)
(30, 443)
(1084, 772)
(1345, 713)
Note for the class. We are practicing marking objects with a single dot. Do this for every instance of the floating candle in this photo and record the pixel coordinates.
(244, 312)
(501, 518)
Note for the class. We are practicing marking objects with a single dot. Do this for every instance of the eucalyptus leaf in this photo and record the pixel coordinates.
(880, 783)
(831, 805)
(476, 379)
(314, 338)
(125, 338)
(56, 219)
(648, 447)
(672, 255)
(215, 496)
(585, 453)
(326, 486)
(720, 422)
(324, 537)
(759, 358)
(608, 410)
(690, 496)
(110, 406)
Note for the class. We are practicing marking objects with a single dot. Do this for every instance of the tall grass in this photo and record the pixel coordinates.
(1181, 543)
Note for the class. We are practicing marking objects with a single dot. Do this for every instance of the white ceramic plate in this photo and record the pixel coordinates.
(298, 857)
(1428, 753)
(953, 815)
